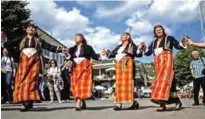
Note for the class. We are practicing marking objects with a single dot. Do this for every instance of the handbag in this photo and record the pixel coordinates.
(50, 79)
(203, 71)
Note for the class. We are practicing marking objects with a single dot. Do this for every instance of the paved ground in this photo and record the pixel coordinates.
(101, 109)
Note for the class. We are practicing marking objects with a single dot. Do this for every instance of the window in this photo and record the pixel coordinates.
(53, 55)
(46, 52)
(57, 57)
(60, 58)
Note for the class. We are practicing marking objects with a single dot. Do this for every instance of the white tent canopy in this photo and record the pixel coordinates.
(188, 85)
(110, 69)
(100, 87)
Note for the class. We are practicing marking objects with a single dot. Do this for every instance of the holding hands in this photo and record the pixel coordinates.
(185, 40)
(188, 42)
(104, 54)
(142, 46)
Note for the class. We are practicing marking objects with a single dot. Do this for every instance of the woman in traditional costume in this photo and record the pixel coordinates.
(164, 88)
(26, 80)
(81, 75)
(125, 71)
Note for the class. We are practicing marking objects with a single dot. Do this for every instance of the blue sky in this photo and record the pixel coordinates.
(103, 22)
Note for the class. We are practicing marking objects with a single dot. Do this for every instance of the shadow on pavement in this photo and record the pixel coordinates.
(146, 107)
(12, 105)
(173, 109)
(39, 109)
(44, 109)
(99, 108)
(10, 109)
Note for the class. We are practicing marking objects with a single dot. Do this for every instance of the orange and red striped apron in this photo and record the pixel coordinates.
(26, 80)
(124, 80)
(164, 76)
(81, 81)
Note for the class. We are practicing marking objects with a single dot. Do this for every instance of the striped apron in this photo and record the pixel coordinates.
(124, 80)
(26, 80)
(161, 90)
(81, 80)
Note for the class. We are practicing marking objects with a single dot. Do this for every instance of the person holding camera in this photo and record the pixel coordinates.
(198, 71)
(55, 82)
(65, 74)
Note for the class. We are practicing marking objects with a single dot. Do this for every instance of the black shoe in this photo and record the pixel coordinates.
(24, 109)
(10, 102)
(134, 106)
(178, 106)
(3, 101)
(30, 106)
(117, 108)
(195, 104)
(38, 101)
(77, 108)
(83, 105)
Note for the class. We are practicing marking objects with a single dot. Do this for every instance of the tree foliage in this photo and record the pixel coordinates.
(183, 59)
(14, 18)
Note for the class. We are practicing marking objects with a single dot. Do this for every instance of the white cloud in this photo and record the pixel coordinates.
(120, 10)
(139, 27)
(141, 17)
(169, 10)
(63, 24)
(173, 11)
(102, 38)
(167, 13)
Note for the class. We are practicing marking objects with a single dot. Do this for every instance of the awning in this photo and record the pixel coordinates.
(110, 69)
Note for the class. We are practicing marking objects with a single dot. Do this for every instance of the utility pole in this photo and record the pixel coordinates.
(202, 18)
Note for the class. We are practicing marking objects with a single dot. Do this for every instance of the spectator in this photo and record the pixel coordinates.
(41, 86)
(65, 74)
(54, 81)
(8, 70)
(197, 66)
(140, 93)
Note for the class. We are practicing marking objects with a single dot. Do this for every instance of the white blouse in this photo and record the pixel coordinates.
(120, 53)
(29, 51)
(78, 60)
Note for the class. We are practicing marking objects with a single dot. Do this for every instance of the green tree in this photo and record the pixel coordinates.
(150, 68)
(14, 18)
(183, 59)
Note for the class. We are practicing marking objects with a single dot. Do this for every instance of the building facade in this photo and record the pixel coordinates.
(51, 55)
(13, 46)
(104, 73)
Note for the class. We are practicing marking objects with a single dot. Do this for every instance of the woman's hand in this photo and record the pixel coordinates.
(14, 73)
(104, 52)
(190, 42)
(59, 49)
(104, 55)
(3, 70)
(185, 40)
(49, 75)
(142, 46)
